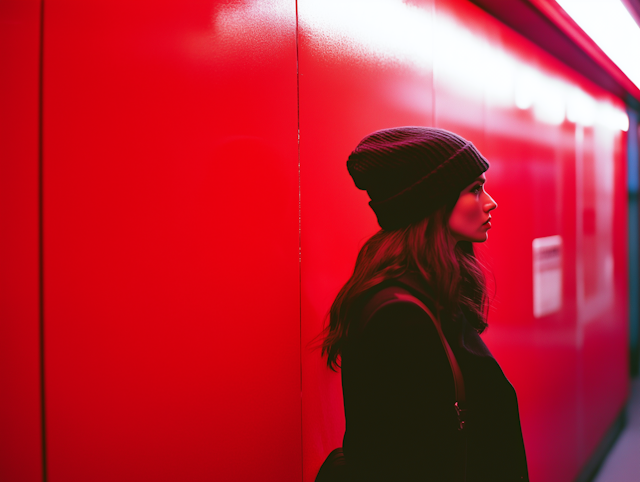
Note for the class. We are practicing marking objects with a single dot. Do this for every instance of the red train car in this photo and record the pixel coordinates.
(179, 218)
(558, 175)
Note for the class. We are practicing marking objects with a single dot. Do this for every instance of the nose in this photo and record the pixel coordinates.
(490, 206)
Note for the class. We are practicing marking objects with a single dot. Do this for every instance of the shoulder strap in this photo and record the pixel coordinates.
(393, 295)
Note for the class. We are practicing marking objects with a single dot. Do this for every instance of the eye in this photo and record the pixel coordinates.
(476, 189)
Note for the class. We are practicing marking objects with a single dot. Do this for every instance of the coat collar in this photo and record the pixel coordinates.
(418, 286)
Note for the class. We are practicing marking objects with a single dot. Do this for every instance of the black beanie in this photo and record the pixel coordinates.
(410, 172)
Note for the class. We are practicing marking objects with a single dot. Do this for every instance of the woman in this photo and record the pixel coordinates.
(427, 190)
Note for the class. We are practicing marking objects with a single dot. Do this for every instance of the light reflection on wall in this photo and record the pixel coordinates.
(393, 32)
(527, 84)
(549, 105)
(554, 100)
(509, 81)
(501, 75)
(581, 108)
(388, 31)
(460, 59)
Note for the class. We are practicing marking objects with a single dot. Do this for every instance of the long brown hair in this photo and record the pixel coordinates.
(426, 247)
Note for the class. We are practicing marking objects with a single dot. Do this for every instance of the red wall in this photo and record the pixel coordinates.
(199, 221)
(20, 407)
(451, 65)
(171, 240)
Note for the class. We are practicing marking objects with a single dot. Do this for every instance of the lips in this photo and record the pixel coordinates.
(487, 220)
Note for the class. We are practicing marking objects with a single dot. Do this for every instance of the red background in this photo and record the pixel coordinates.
(198, 221)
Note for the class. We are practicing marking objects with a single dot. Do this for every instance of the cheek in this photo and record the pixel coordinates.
(467, 209)
(466, 215)
(474, 214)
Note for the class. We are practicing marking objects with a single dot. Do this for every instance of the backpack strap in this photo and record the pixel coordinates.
(395, 294)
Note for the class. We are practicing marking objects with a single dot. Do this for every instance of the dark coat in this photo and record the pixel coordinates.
(399, 392)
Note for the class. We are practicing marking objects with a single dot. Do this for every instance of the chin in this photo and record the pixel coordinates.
(479, 239)
(473, 239)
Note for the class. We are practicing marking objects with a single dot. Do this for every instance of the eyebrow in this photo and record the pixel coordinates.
(480, 180)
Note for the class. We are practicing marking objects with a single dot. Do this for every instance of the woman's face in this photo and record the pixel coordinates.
(467, 219)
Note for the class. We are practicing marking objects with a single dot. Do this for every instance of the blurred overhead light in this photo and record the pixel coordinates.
(581, 107)
(612, 117)
(528, 84)
(611, 26)
(549, 105)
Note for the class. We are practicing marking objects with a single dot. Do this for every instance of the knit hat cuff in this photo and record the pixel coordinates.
(427, 194)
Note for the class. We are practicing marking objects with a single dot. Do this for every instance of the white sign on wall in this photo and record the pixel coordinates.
(547, 275)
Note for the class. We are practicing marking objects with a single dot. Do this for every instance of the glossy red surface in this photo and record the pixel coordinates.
(20, 408)
(181, 287)
(451, 65)
(171, 240)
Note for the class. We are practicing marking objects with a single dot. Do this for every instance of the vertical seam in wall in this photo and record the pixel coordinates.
(578, 170)
(433, 63)
(299, 241)
(41, 244)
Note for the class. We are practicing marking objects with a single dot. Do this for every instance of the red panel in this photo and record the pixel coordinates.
(20, 409)
(171, 231)
(359, 72)
(603, 297)
(533, 174)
